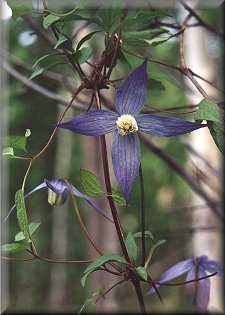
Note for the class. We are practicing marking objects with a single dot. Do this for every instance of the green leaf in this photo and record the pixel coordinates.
(142, 273)
(147, 234)
(160, 242)
(146, 34)
(99, 263)
(8, 152)
(131, 246)
(19, 7)
(140, 38)
(64, 42)
(218, 133)
(110, 16)
(32, 228)
(161, 76)
(44, 57)
(52, 19)
(83, 54)
(118, 197)
(140, 18)
(16, 142)
(210, 111)
(13, 247)
(86, 38)
(22, 214)
(90, 183)
(39, 71)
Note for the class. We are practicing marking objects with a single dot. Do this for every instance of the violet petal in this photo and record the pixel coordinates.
(165, 126)
(130, 96)
(198, 291)
(93, 123)
(42, 185)
(126, 157)
(173, 272)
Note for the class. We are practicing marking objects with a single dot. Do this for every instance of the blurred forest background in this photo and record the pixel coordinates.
(41, 286)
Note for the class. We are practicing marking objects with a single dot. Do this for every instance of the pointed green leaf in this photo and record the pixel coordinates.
(90, 183)
(13, 247)
(52, 19)
(210, 111)
(146, 34)
(110, 16)
(16, 142)
(32, 228)
(22, 214)
(118, 197)
(160, 242)
(86, 38)
(64, 42)
(83, 54)
(45, 57)
(142, 273)
(39, 71)
(19, 7)
(101, 261)
(131, 246)
(218, 133)
(140, 18)
(147, 234)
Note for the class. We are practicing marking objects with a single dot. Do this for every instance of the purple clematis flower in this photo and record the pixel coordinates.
(58, 193)
(125, 123)
(195, 267)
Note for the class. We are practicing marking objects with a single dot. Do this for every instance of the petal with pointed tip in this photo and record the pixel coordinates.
(126, 157)
(93, 123)
(130, 96)
(42, 185)
(173, 272)
(165, 126)
(199, 290)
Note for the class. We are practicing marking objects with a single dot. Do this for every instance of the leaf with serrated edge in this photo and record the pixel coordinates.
(90, 183)
(210, 111)
(22, 214)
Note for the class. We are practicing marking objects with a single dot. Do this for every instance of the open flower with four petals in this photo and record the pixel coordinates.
(126, 122)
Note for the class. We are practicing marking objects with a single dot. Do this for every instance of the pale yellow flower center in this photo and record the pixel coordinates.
(126, 124)
(54, 199)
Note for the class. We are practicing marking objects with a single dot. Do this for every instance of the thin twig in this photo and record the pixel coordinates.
(183, 173)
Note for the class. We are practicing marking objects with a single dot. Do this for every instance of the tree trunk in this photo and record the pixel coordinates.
(207, 236)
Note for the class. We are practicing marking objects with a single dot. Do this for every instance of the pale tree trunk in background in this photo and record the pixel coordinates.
(102, 230)
(205, 241)
(59, 224)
